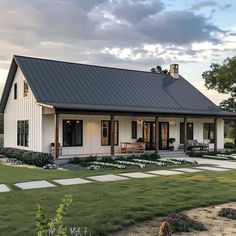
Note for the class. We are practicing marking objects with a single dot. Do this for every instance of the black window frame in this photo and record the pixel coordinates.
(15, 91)
(116, 141)
(25, 89)
(210, 130)
(23, 133)
(72, 142)
(190, 132)
(134, 129)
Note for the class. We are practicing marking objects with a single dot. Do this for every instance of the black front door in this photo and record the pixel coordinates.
(149, 135)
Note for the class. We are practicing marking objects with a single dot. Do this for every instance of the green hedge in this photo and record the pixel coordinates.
(229, 145)
(28, 157)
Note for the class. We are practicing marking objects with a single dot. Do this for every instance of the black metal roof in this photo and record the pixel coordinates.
(66, 85)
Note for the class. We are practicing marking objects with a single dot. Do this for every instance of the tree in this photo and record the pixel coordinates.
(222, 78)
(158, 69)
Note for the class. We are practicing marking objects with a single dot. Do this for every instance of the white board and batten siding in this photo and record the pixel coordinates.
(92, 132)
(22, 108)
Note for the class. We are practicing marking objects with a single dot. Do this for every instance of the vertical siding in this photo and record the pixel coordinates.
(92, 132)
(23, 108)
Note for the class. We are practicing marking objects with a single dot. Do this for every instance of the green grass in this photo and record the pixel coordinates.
(107, 207)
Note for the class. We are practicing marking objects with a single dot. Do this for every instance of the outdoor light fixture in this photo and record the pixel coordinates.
(172, 122)
(139, 122)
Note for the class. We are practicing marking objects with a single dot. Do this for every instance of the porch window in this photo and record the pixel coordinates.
(22, 133)
(15, 91)
(72, 133)
(208, 131)
(106, 133)
(134, 130)
(189, 132)
(26, 89)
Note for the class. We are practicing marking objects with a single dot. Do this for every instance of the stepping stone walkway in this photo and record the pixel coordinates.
(4, 188)
(188, 170)
(72, 181)
(137, 175)
(165, 172)
(211, 168)
(34, 185)
(106, 178)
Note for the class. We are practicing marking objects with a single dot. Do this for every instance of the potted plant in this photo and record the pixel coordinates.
(171, 141)
(139, 140)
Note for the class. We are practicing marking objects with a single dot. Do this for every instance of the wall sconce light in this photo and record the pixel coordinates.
(172, 122)
(139, 122)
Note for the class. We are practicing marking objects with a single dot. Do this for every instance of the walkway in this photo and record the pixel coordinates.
(219, 165)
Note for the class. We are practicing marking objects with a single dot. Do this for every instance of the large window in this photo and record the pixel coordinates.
(26, 89)
(106, 133)
(134, 130)
(15, 90)
(208, 131)
(22, 133)
(72, 133)
(189, 132)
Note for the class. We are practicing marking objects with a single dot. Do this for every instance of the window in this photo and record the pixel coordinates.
(208, 131)
(15, 90)
(134, 130)
(26, 89)
(106, 133)
(72, 133)
(189, 132)
(22, 133)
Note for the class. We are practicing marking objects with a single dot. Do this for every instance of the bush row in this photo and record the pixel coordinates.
(86, 161)
(28, 157)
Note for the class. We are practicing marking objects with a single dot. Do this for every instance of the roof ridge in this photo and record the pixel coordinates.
(82, 64)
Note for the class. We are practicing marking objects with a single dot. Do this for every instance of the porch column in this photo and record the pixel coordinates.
(56, 130)
(112, 137)
(215, 134)
(156, 134)
(185, 134)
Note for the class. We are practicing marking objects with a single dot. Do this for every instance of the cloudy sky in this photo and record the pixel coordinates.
(137, 34)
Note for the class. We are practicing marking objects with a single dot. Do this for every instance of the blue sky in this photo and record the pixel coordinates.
(137, 34)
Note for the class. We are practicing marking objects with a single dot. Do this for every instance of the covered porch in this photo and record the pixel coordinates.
(83, 133)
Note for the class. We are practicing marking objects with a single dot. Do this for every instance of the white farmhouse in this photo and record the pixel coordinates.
(77, 109)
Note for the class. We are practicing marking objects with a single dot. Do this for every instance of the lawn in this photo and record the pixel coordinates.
(104, 207)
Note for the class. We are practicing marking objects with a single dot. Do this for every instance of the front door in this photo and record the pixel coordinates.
(164, 135)
(149, 135)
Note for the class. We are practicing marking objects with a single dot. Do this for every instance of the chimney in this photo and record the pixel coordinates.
(174, 71)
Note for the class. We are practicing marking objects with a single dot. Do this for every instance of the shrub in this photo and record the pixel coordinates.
(53, 226)
(182, 223)
(79, 160)
(151, 156)
(28, 157)
(229, 145)
(229, 213)
(41, 159)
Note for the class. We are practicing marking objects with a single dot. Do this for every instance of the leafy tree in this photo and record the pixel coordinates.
(158, 69)
(222, 78)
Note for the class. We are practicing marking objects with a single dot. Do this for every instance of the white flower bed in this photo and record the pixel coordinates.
(232, 156)
(109, 164)
(132, 163)
(215, 157)
(159, 163)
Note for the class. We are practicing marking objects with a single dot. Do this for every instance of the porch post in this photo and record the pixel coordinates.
(112, 137)
(215, 134)
(156, 134)
(56, 130)
(185, 134)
